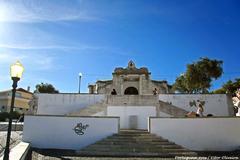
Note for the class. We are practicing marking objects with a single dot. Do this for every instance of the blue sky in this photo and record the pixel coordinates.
(57, 39)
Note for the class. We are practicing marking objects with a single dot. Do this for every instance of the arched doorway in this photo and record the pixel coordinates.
(131, 91)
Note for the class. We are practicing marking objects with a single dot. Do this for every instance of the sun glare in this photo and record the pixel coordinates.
(3, 14)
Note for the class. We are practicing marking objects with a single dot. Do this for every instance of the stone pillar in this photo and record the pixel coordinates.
(121, 82)
(140, 84)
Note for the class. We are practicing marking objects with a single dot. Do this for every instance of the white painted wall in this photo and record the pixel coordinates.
(61, 104)
(124, 112)
(202, 134)
(216, 104)
(57, 132)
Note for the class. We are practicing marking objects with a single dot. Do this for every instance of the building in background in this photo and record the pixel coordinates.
(130, 81)
(23, 97)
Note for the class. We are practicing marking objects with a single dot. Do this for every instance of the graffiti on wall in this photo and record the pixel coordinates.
(80, 128)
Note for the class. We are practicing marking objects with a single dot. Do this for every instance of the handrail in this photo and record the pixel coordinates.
(3, 128)
(12, 141)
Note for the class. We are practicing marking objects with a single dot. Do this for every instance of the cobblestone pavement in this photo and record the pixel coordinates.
(16, 137)
(48, 155)
(63, 155)
(41, 157)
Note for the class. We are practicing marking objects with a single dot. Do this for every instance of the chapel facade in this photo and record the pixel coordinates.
(130, 81)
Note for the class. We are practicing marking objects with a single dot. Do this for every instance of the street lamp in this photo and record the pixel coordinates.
(16, 71)
(79, 83)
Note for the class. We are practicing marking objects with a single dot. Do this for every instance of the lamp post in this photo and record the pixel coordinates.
(16, 71)
(79, 83)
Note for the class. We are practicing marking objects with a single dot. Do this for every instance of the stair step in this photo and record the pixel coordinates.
(134, 140)
(167, 146)
(130, 134)
(134, 149)
(136, 154)
(133, 131)
(130, 143)
(135, 137)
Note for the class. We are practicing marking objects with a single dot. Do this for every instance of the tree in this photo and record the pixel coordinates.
(180, 85)
(229, 87)
(198, 76)
(219, 91)
(45, 88)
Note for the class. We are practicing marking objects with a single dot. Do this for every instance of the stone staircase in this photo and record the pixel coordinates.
(135, 143)
(171, 109)
(90, 110)
(130, 100)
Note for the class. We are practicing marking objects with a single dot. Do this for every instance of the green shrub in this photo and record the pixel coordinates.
(15, 115)
(5, 115)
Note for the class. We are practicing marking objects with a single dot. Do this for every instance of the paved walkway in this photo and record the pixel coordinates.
(65, 155)
(41, 157)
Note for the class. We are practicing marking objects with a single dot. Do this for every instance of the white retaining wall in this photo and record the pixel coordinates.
(58, 131)
(202, 134)
(61, 104)
(216, 104)
(125, 112)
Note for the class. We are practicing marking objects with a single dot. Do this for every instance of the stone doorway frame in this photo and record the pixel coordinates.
(131, 91)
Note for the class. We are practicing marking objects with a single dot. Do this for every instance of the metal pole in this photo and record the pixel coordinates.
(79, 84)
(6, 152)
